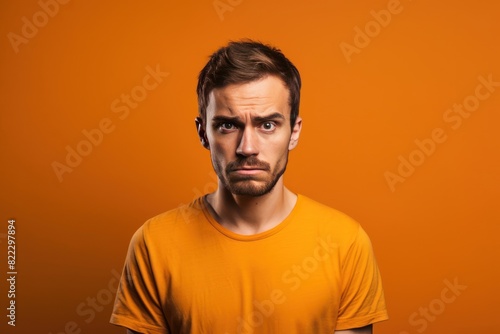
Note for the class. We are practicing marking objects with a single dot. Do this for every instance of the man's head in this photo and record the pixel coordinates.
(247, 96)
(245, 61)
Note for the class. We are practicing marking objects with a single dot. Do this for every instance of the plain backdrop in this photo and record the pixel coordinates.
(400, 103)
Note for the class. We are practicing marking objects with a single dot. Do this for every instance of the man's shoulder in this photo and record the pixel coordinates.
(184, 215)
(326, 217)
(324, 212)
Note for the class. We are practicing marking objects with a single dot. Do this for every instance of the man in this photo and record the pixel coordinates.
(251, 257)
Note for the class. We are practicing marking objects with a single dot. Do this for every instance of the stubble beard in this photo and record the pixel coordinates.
(250, 185)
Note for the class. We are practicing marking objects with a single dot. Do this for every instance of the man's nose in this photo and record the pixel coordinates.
(248, 144)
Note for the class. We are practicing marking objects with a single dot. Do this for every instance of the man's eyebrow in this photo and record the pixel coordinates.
(258, 119)
(270, 117)
(231, 119)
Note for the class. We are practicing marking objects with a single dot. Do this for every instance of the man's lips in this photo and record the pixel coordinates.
(248, 170)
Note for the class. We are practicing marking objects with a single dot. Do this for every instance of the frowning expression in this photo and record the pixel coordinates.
(247, 130)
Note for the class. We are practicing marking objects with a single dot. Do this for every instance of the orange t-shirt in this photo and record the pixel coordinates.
(313, 273)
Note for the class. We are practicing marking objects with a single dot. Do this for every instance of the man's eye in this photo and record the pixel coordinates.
(268, 126)
(226, 126)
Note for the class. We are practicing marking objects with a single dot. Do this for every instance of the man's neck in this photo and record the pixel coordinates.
(249, 215)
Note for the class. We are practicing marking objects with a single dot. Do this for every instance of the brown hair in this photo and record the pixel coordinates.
(245, 61)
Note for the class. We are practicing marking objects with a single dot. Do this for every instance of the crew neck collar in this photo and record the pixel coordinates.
(253, 237)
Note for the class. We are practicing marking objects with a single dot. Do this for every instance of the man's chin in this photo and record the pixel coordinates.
(250, 192)
(250, 188)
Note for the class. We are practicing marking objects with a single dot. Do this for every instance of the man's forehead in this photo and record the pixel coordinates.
(269, 85)
(251, 107)
(258, 96)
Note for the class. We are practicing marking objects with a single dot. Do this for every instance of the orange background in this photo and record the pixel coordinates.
(441, 223)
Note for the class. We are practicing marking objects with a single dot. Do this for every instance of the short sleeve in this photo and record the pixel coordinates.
(362, 300)
(137, 304)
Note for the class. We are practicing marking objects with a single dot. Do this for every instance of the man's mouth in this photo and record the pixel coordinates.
(249, 170)
(248, 166)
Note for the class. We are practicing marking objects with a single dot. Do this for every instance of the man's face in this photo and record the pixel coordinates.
(247, 131)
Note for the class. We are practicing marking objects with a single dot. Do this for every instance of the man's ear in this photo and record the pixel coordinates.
(202, 134)
(294, 137)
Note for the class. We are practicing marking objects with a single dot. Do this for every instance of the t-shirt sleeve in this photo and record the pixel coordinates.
(362, 300)
(137, 304)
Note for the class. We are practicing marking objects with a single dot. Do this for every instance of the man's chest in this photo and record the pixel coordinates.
(259, 289)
